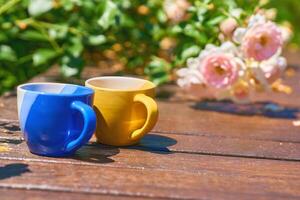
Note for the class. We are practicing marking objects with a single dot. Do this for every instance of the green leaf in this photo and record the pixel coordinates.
(3, 37)
(109, 14)
(58, 32)
(33, 36)
(162, 17)
(160, 78)
(67, 4)
(201, 12)
(193, 32)
(42, 56)
(76, 46)
(190, 52)
(37, 7)
(96, 39)
(176, 29)
(215, 20)
(7, 53)
(158, 70)
(71, 66)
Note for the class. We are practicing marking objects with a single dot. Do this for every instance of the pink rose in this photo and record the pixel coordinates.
(262, 41)
(219, 70)
(176, 9)
(228, 26)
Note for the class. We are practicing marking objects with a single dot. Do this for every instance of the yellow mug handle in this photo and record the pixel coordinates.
(152, 115)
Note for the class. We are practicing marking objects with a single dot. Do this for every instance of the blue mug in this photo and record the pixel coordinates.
(56, 119)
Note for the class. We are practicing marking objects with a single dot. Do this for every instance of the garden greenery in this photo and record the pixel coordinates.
(141, 34)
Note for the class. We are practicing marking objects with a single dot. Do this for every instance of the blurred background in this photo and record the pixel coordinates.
(149, 38)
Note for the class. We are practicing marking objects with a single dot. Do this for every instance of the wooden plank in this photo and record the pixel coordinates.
(215, 178)
(23, 194)
(149, 149)
(206, 175)
(188, 120)
(170, 143)
(8, 107)
(222, 146)
(140, 161)
(184, 119)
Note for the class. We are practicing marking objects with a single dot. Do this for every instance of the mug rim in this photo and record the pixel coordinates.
(89, 91)
(150, 87)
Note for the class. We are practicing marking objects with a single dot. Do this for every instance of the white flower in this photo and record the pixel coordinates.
(268, 71)
(256, 19)
(238, 35)
(286, 33)
(273, 68)
(236, 12)
(188, 77)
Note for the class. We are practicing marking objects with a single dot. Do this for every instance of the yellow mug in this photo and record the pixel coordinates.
(125, 109)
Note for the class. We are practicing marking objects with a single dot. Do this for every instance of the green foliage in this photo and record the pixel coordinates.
(35, 34)
(288, 10)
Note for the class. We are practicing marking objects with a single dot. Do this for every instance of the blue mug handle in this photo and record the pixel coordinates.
(89, 126)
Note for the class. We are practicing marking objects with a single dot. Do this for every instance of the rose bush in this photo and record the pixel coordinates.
(148, 37)
(248, 60)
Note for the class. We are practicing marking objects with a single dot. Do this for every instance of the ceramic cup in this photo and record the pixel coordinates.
(56, 119)
(125, 109)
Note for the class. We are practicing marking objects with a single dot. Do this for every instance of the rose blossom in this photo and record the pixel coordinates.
(228, 26)
(176, 9)
(216, 67)
(188, 77)
(273, 68)
(268, 71)
(286, 32)
(262, 41)
(241, 92)
(219, 70)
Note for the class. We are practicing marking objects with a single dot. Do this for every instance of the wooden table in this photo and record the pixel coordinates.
(204, 150)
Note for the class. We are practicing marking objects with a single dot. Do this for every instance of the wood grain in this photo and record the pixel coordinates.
(198, 150)
(21, 194)
(178, 143)
(187, 120)
(216, 178)
(137, 172)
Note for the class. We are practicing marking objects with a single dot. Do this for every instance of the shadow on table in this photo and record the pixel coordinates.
(12, 170)
(96, 153)
(267, 109)
(9, 127)
(11, 141)
(99, 153)
(155, 144)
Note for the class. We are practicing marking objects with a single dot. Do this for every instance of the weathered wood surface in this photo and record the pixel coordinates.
(203, 150)
(143, 172)
(21, 194)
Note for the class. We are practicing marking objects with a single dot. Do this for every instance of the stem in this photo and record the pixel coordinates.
(24, 59)
(49, 25)
(8, 5)
(51, 41)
